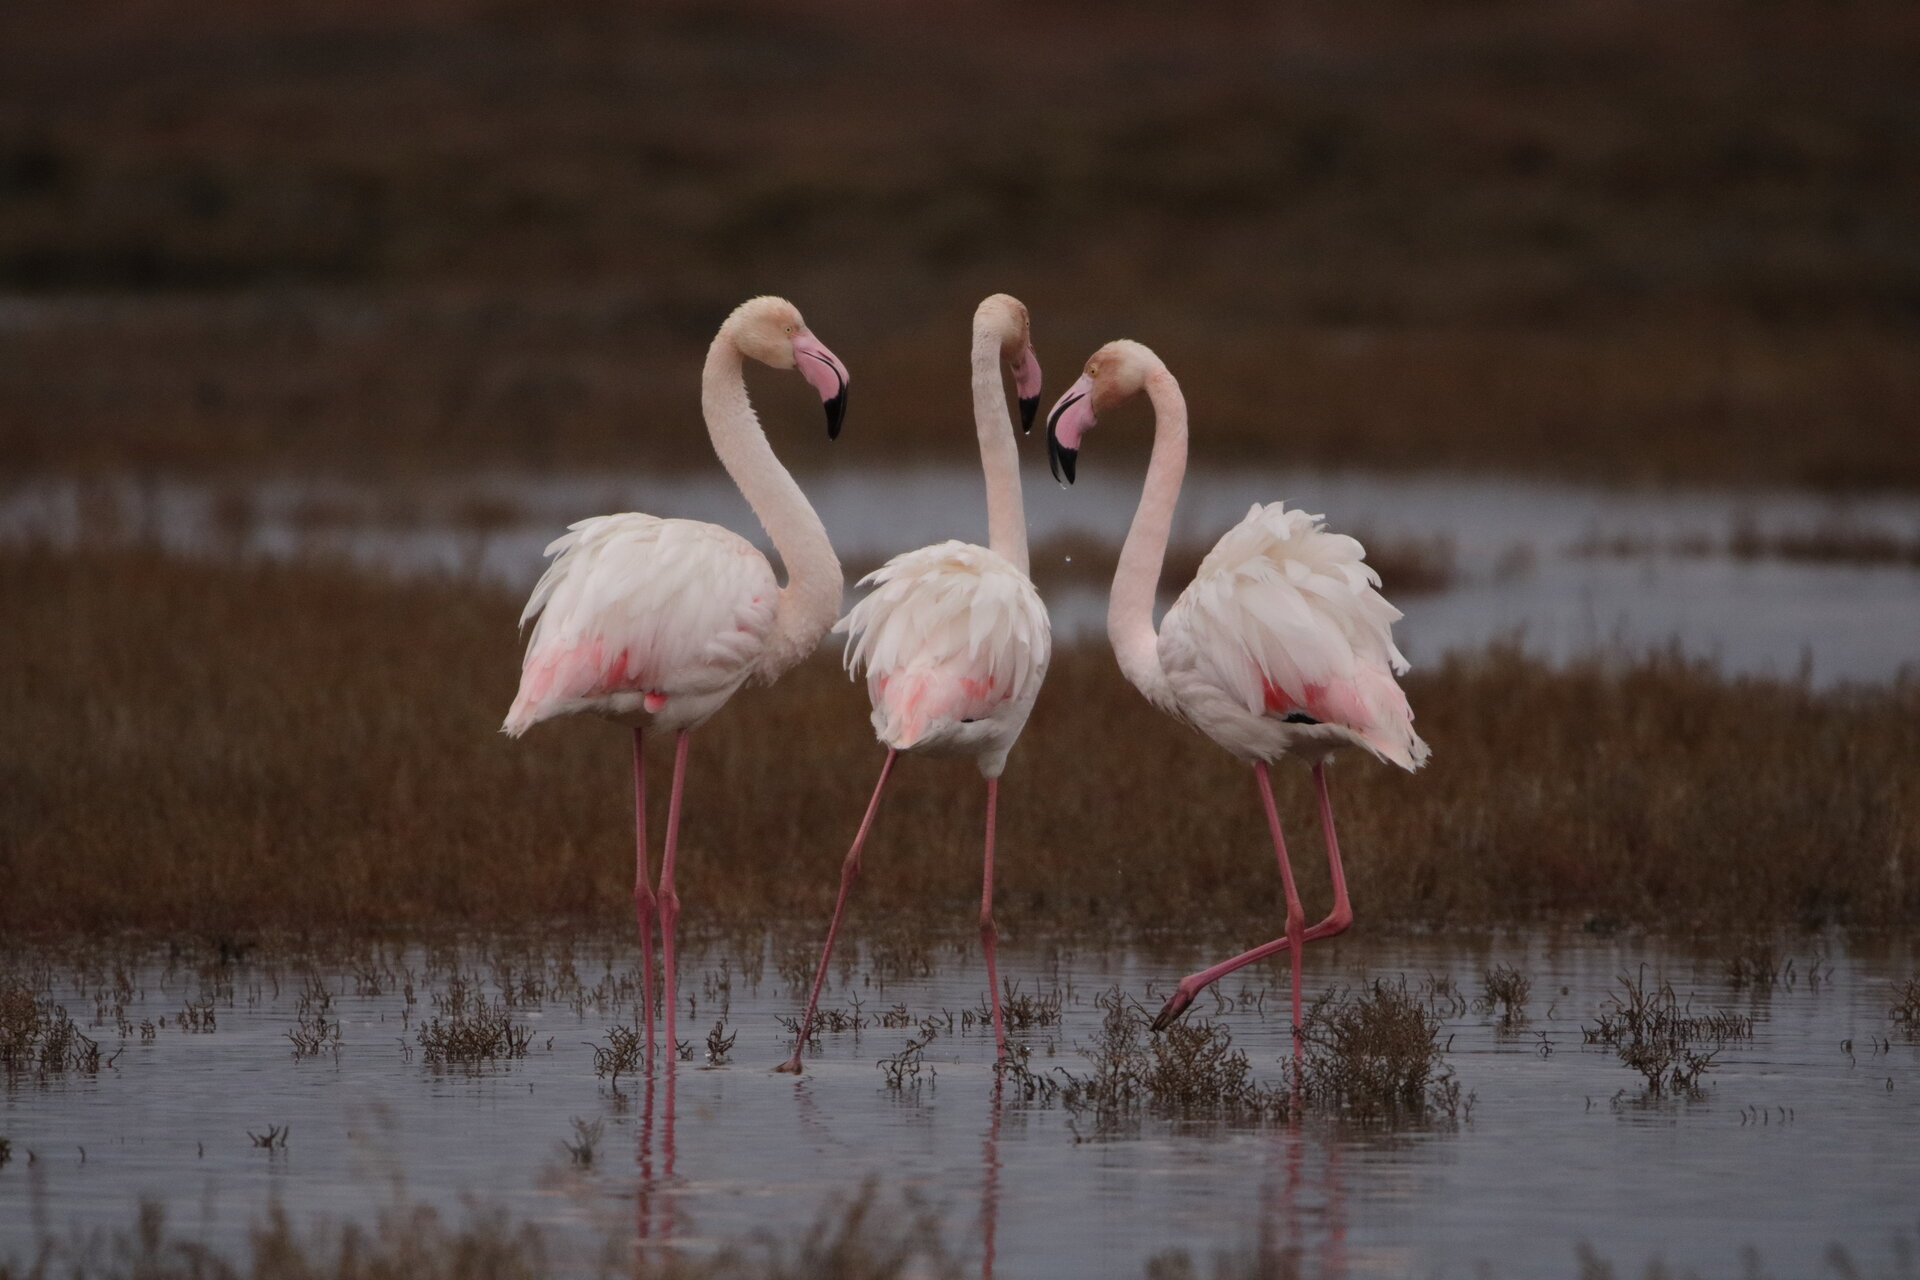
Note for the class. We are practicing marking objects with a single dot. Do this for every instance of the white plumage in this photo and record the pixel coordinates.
(953, 638)
(954, 642)
(653, 623)
(1282, 644)
(656, 623)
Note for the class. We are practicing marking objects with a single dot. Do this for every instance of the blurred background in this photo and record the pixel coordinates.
(1614, 240)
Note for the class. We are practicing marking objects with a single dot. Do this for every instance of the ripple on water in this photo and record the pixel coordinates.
(1793, 1142)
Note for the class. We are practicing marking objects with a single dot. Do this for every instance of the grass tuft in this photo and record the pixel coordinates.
(1658, 1035)
(470, 1029)
(1906, 1008)
(1505, 990)
(38, 1037)
(1378, 1057)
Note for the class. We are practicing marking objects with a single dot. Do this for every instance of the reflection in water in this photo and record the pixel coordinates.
(653, 1202)
(990, 1181)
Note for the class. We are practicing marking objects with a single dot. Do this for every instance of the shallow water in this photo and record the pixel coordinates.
(1794, 1141)
(1518, 575)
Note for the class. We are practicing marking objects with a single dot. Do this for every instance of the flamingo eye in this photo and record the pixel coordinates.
(1093, 371)
(789, 330)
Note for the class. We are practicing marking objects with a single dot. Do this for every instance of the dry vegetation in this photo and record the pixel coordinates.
(231, 750)
(858, 1238)
(454, 231)
(1837, 540)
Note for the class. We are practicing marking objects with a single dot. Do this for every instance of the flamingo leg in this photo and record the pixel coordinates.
(849, 870)
(987, 931)
(644, 904)
(1296, 914)
(1336, 922)
(1341, 917)
(669, 900)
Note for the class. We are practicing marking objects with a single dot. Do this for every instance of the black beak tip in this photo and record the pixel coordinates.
(836, 412)
(1063, 461)
(1029, 406)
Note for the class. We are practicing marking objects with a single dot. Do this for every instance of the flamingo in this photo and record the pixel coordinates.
(954, 639)
(655, 623)
(1281, 645)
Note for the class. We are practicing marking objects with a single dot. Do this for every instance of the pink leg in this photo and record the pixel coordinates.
(669, 900)
(1296, 914)
(987, 932)
(644, 904)
(1341, 916)
(1193, 984)
(849, 869)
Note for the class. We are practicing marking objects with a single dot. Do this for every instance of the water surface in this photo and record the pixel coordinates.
(1796, 1139)
(1519, 573)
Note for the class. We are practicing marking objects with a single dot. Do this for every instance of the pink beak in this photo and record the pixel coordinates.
(823, 370)
(1026, 385)
(1068, 422)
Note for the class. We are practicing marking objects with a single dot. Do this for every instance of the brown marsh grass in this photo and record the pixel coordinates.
(232, 750)
(1837, 540)
(421, 234)
(857, 1237)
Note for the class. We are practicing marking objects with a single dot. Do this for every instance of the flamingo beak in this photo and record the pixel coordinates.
(1026, 385)
(824, 372)
(1066, 425)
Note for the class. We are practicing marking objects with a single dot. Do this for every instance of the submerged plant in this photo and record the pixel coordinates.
(1505, 990)
(1906, 1008)
(1379, 1056)
(621, 1055)
(1191, 1070)
(1657, 1034)
(585, 1142)
(472, 1030)
(1754, 963)
(38, 1037)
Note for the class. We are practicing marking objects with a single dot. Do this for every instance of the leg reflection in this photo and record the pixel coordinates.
(653, 1207)
(990, 1184)
(1295, 1221)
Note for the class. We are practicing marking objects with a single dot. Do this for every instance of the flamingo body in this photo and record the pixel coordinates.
(650, 622)
(955, 643)
(656, 623)
(1283, 645)
(953, 639)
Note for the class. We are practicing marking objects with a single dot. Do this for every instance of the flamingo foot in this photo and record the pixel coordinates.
(791, 1067)
(1174, 1007)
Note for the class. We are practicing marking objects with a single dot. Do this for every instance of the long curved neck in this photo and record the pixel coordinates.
(811, 599)
(999, 454)
(1136, 581)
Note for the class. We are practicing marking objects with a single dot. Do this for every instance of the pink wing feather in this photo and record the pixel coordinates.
(1287, 619)
(639, 613)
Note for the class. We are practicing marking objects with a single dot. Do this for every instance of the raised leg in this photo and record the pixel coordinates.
(849, 870)
(644, 904)
(669, 900)
(1337, 921)
(1341, 917)
(987, 933)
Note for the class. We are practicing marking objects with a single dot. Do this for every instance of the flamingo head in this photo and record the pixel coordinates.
(1005, 317)
(771, 331)
(1114, 375)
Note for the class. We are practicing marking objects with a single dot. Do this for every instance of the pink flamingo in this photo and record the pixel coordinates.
(1280, 646)
(954, 638)
(656, 623)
